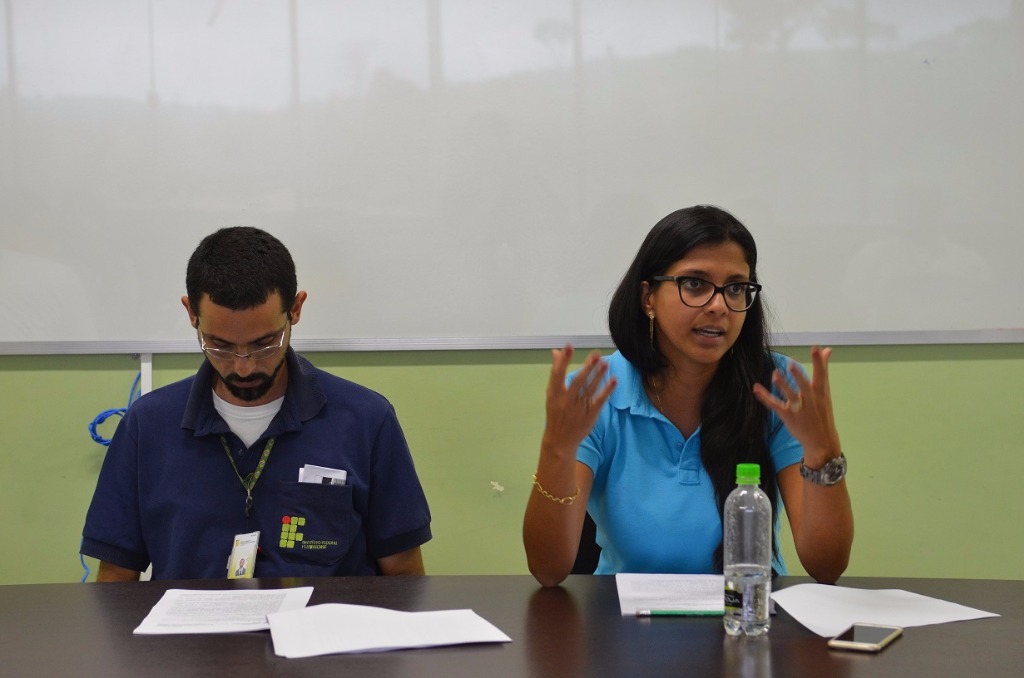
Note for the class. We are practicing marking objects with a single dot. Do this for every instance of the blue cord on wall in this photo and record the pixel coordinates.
(133, 395)
(119, 411)
(85, 566)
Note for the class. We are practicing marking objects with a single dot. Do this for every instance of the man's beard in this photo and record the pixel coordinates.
(248, 393)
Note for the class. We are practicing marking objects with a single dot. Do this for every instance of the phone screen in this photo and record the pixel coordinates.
(871, 635)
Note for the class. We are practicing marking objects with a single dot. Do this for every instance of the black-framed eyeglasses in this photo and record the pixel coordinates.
(275, 342)
(697, 292)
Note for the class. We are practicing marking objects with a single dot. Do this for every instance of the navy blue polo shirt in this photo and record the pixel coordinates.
(167, 493)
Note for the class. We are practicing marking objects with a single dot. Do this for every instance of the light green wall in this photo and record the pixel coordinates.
(934, 435)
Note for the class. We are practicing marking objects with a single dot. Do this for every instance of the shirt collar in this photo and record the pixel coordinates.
(630, 394)
(303, 399)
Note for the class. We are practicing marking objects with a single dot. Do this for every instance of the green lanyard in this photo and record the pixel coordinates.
(249, 481)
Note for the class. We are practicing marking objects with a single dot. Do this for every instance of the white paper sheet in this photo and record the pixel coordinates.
(335, 627)
(191, 611)
(680, 593)
(830, 610)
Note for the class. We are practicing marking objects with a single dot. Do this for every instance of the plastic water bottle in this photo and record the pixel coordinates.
(747, 526)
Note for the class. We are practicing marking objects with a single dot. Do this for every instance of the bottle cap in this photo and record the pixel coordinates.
(748, 474)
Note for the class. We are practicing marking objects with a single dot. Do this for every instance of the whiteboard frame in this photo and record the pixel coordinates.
(386, 344)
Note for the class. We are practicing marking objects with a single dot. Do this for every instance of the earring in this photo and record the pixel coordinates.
(650, 314)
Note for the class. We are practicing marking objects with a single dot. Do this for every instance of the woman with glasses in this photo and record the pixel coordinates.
(648, 439)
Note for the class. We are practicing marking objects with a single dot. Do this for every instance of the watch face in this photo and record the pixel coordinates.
(829, 474)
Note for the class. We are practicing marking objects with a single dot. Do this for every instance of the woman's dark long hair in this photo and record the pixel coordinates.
(734, 425)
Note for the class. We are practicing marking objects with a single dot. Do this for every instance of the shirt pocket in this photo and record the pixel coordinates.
(318, 523)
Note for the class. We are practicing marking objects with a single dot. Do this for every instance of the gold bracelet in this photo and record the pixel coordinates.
(565, 501)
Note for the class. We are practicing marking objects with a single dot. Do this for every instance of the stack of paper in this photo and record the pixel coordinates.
(187, 611)
(300, 631)
(336, 627)
(671, 594)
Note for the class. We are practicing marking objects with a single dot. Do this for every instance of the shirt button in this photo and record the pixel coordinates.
(679, 446)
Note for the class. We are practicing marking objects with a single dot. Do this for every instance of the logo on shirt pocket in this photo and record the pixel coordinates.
(290, 534)
(292, 538)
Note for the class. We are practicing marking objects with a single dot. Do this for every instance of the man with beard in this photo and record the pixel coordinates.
(257, 444)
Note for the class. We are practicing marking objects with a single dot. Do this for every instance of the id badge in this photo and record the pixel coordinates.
(242, 563)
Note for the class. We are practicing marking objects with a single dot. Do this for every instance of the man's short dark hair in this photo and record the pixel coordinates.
(239, 267)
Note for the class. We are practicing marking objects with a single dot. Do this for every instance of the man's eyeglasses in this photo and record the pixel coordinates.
(697, 292)
(262, 353)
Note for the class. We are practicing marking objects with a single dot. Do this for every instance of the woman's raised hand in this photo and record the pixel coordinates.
(572, 409)
(807, 409)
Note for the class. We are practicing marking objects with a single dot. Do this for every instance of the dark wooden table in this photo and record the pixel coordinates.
(574, 630)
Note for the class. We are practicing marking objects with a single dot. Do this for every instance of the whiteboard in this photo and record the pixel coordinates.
(479, 174)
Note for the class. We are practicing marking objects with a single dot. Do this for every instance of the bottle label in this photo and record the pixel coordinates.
(748, 596)
(733, 600)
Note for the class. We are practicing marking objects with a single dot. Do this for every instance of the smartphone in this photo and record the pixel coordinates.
(865, 637)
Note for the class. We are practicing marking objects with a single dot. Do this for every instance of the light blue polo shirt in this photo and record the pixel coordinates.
(652, 500)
